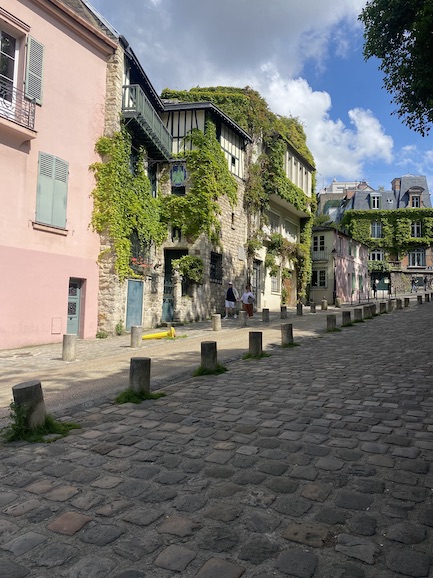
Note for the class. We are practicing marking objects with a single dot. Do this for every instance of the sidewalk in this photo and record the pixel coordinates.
(314, 462)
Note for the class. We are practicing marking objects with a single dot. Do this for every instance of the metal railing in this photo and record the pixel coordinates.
(320, 255)
(135, 101)
(16, 107)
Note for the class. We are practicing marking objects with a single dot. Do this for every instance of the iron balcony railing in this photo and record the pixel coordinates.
(135, 104)
(320, 255)
(16, 107)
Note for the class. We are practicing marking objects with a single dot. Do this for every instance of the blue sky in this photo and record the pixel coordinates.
(303, 56)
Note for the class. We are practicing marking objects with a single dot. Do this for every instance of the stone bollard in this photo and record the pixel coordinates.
(427, 298)
(419, 299)
(286, 333)
(373, 309)
(216, 322)
(346, 318)
(255, 343)
(209, 360)
(382, 307)
(299, 309)
(139, 374)
(431, 296)
(242, 316)
(331, 322)
(29, 398)
(265, 315)
(338, 302)
(357, 314)
(406, 301)
(69, 349)
(136, 336)
(324, 304)
(283, 312)
(391, 305)
(398, 303)
(367, 312)
(312, 307)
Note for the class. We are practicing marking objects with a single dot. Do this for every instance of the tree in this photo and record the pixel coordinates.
(399, 33)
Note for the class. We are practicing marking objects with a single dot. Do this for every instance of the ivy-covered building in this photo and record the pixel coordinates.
(397, 227)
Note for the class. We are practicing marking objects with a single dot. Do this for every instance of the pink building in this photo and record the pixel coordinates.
(53, 65)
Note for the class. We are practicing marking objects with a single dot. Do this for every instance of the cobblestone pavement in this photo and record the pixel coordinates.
(312, 462)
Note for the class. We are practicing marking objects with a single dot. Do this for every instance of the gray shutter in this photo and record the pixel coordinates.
(34, 70)
(44, 202)
(60, 193)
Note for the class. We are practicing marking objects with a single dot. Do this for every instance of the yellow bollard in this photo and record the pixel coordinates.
(170, 333)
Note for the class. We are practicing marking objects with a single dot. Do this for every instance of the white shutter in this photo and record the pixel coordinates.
(34, 70)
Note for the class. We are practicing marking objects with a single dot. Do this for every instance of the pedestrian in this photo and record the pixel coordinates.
(413, 285)
(374, 290)
(232, 296)
(247, 299)
(425, 283)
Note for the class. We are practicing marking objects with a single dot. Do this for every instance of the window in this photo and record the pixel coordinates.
(275, 282)
(52, 191)
(291, 231)
(216, 268)
(318, 278)
(376, 255)
(417, 258)
(376, 229)
(416, 229)
(8, 56)
(416, 201)
(375, 201)
(274, 222)
(318, 243)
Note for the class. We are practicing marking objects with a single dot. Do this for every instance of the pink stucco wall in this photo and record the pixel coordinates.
(37, 264)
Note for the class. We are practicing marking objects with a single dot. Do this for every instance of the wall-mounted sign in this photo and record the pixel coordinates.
(178, 175)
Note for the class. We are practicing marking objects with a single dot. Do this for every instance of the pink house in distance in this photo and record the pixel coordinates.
(53, 65)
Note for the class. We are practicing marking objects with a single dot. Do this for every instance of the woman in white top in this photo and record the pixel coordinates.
(247, 299)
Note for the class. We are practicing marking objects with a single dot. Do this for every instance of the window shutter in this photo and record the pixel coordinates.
(34, 70)
(45, 188)
(60, 193)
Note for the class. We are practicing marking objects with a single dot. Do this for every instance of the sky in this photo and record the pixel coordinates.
(305, 59)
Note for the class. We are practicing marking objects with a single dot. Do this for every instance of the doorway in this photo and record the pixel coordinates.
(74, 305)
(168, 296)
(134, 303)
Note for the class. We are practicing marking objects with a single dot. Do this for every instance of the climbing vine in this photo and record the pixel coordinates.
(198, 210)
(122, 201)
(190, 268)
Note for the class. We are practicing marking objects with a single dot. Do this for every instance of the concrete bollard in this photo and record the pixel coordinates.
(265, 315)
(406, 301)
(136, 336)
(331, 322)
(367, 312)
(391, 305)
(209, 358)
(299, 309)
(69, 349)
(357, 314)
(29, 398)
(286, 333)
(346, 318)
(283, 312)
(324, 304)
(373, 309)
(431, 296)
(312, 307)
(398, 303)
(242, 316)
(255, 343)
(139, 374)
(216, 322)
(419, 299)
(427, 298)
(382, 307)
(338, 302)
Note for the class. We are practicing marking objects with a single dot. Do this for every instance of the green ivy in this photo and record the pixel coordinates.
(123, 202)
(190, 267)
(198, 210)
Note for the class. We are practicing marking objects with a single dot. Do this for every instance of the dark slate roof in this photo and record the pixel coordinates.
(414, 182)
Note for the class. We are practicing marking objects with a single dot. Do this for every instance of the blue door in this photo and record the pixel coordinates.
(134, 303)
(74, 294)
(168, 297)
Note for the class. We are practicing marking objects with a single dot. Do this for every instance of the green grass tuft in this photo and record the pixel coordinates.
(336, 330)
(203, 371)
(249, 356)
(287, 345)
(131, 396)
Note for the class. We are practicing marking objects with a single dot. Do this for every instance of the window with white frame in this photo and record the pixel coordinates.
(375, 201)
(291, 231)
(275, 282)
(8, 62)
(417, 258)
(376, 255)
(318, 278)
(274, 222)
(318, 243)
(52, 191)
(416, 230)
(376, 229)
(416, 201)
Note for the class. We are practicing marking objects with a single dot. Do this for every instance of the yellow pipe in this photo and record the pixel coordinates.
(170, 333)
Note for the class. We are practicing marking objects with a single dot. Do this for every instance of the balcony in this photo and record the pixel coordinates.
(17, 113)
(320, 255)
(145, 123)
